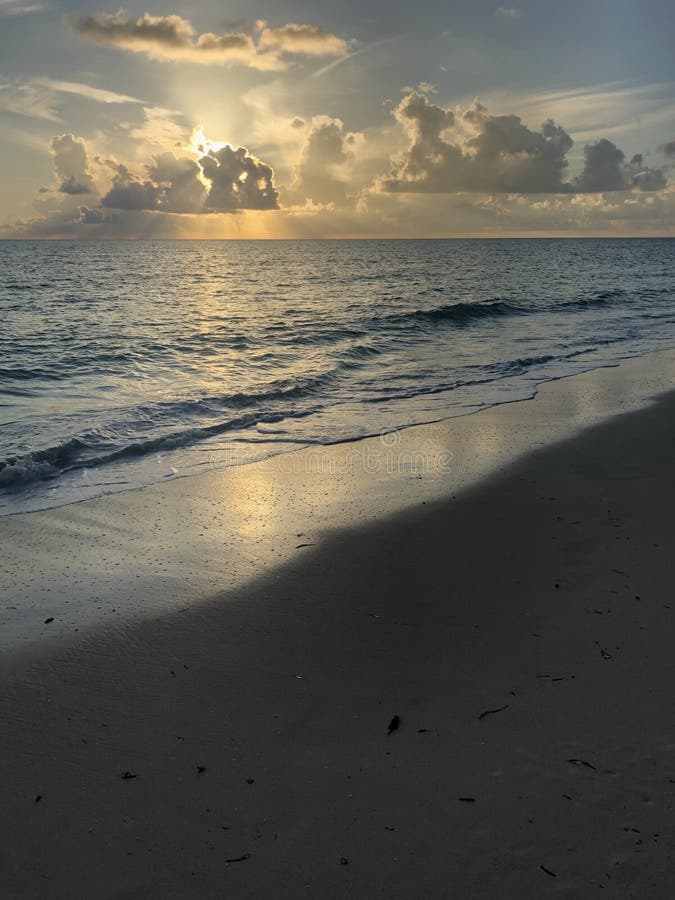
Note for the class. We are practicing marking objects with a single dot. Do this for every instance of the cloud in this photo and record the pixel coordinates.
(37, 98)
(507, 12)
(91, 216)
(669, 148)
(71, 164)
(223, 180)
(500, 154)
(20, 8)
(605, 169)
(160, 128)
(86, 91)
(174, 38)
(131, 193)
(70, 185)
(28, 99)
(238, 181)
(448, 171)
(391, 215)
(180, 177)
(492, 153)
(322, 174)
(642, 177)
(608, 213)
(306, 39)
(162, 197)
(612, 109)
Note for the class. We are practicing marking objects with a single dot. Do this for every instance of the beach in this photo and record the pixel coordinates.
(465, 693)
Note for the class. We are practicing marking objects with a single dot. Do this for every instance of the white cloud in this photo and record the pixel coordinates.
(38, 97)
(323, 171)
(28, 99)
(20, 7)
(307, 39)
(85, 90)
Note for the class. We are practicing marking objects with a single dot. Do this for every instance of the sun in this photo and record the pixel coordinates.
(200, 145)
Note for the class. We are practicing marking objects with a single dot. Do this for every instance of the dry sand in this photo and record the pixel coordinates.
(521, 632)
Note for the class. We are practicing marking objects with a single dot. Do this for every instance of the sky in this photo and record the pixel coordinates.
(292, 119)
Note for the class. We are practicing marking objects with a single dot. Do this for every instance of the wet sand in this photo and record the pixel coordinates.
(165, 548)
(520, 635)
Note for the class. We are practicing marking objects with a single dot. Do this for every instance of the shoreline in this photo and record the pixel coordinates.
(521, 632)
(186, 540)
(297, 445)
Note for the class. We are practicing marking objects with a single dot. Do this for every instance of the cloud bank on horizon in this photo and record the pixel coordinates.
(421, 167)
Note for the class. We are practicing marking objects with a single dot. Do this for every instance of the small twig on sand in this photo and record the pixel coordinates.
(582, 762)
(491, 712)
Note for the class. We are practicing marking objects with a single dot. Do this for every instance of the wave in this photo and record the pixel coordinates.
(284, 389)
(494, 373)
(39, 464)
(609, 297)
(75, 453)
(458, 313)
(325, 336)
(105, 444)
(463, 313)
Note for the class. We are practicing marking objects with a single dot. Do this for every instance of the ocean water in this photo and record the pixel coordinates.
(124, 364)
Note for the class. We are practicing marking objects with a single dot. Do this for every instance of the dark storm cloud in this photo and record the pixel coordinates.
(500, 154)
(642, 177)
(70, 186)
(180, 178)
(172, 37)
(669, 148)
(605, 169)
(91, 216)
(224, 180)
(238, 181)
(131, 193)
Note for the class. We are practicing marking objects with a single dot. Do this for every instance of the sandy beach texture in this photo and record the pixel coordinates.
(455, 682)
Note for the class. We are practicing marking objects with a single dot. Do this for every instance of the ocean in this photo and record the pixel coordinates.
(127, 363)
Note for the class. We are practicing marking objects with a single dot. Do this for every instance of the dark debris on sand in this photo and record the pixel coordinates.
(491, 712)
(394, 725)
